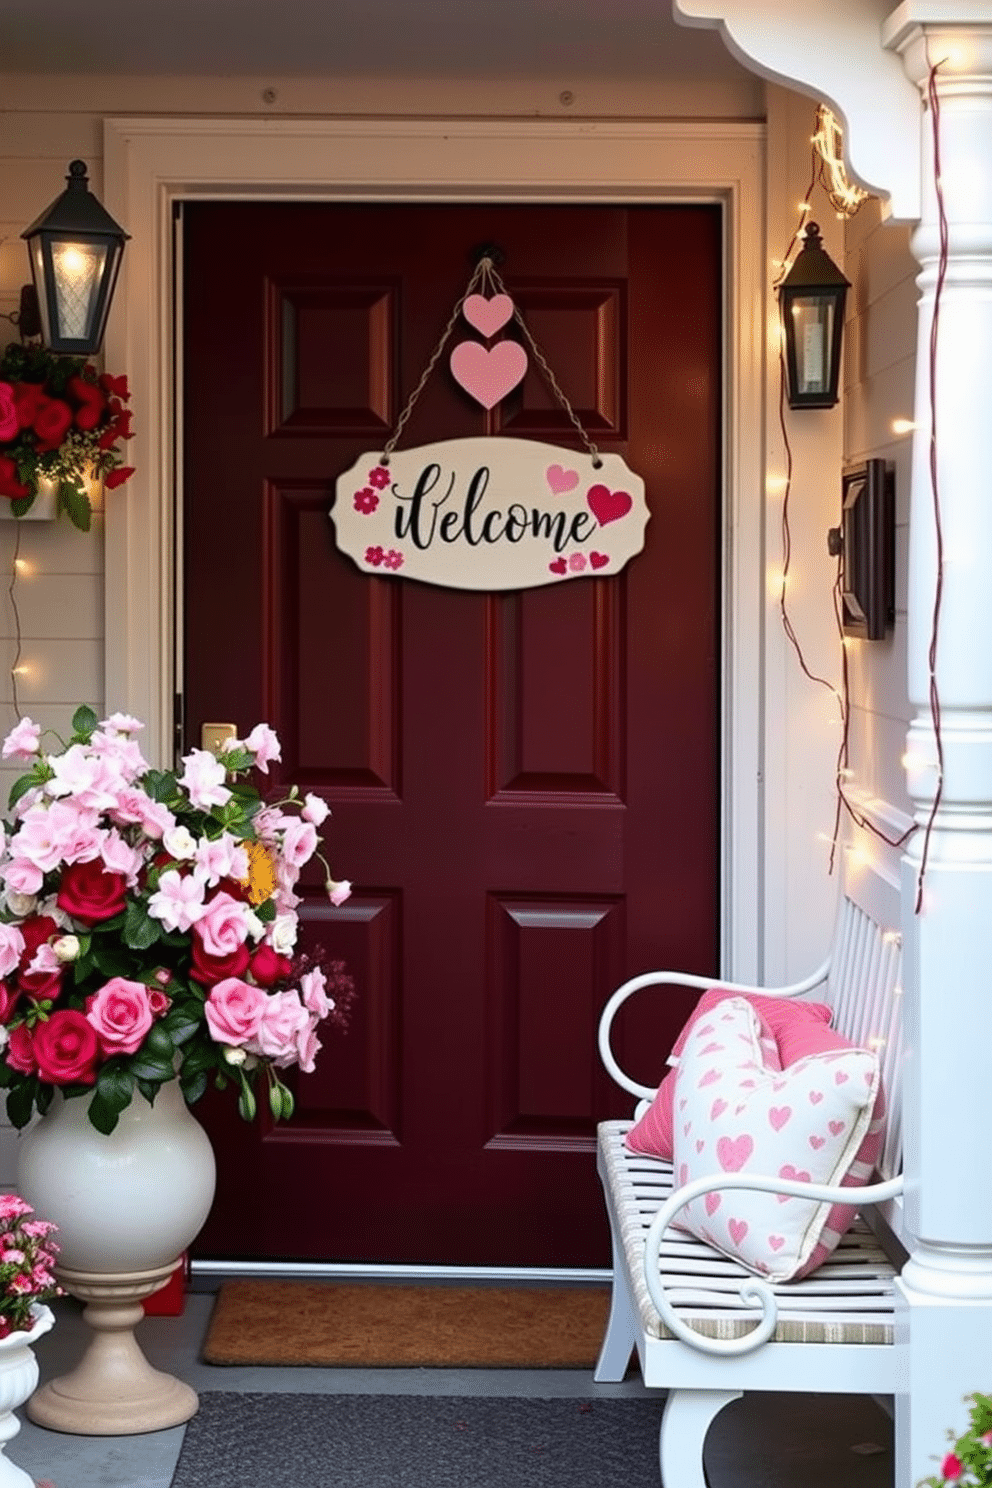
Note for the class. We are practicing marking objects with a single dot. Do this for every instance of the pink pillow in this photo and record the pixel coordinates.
(737, 1114)
(797, 1043)
(787, 1020)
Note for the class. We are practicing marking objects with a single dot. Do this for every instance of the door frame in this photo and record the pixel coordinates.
(152, 164)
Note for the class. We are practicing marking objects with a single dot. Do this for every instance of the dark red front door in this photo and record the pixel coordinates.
(524, 785)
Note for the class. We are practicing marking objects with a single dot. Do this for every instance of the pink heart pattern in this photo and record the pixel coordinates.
(559, 566)
(713, 1202)
(598, 560)
(488, 316)
(488, 374)
(766, 1119)
(733, 1153)
(561, 480)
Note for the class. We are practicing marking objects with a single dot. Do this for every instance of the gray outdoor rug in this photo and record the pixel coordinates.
(418, 1441)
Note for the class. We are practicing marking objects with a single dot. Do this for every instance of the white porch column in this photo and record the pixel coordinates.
(947, 1285)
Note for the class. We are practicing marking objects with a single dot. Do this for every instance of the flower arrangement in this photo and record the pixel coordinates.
(148, 924)
(27, 1260)
(969, 1463)
(62, 420)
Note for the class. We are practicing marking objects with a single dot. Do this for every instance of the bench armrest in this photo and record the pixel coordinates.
(754, 1293)
(681, 979)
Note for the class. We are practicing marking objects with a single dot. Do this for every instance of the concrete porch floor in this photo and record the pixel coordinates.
(765, 1441)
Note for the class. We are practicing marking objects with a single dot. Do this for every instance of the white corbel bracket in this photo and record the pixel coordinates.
(837, 54)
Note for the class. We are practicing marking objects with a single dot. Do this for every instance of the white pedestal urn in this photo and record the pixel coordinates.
(18, 1377)
(127, 1205)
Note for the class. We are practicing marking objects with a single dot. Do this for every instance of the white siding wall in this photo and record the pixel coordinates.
(879, 371)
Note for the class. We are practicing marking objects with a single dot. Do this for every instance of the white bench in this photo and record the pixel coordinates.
(705, 1329)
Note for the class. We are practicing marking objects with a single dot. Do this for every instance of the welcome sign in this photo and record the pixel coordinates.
(490, 514)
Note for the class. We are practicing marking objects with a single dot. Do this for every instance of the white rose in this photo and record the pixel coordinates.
(283, 937)
(66, 948)
(179, 842)
(234, 1055)
(20, 905)
(255, 927)
(4, 1037)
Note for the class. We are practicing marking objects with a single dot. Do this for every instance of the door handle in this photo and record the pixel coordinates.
(213, 735)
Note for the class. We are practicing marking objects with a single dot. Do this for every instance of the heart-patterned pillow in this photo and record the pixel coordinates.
(736, 1114)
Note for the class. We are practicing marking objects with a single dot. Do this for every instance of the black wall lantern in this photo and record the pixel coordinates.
(812, 297)
(75, 249)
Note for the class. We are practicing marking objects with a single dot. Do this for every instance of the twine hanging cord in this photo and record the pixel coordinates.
(485, 280)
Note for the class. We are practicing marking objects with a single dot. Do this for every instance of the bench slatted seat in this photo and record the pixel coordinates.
(704, 1327)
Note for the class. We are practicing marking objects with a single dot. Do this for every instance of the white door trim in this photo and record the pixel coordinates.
(150, 164)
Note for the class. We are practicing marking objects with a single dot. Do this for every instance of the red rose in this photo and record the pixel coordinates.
(36, 929)
(51, 422)
(9, 484)
(90, 894)
(114, 478)
(91, 402)
(267, 967)
(212, 969)
(19, 1052)
(9, 424)
(8, 1000)
(41, 985)
(28, 398)
(116, 386)
(66, 1048)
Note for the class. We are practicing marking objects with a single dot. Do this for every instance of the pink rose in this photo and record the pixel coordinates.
(121, 1014)
(234, 1010)
(299, 843)
(66, 1048)
(223, 926)
(308, 1046)
(11, 948)
(283, 1018)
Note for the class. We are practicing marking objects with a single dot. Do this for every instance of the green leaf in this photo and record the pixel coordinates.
(74, 501)
(149, 1089)
(22, 504)
(266, 911)
(236, 760)
(159, 1042)
(116, 1085)
(109, 959)
(103, 1115)
(159, 784)
(20, 1102)
(84, 721)
(275, 1101)
(193, 1088)
(17, 790)
(140, 930)
(288, 1102)
(147, 1067)
(43, 1098)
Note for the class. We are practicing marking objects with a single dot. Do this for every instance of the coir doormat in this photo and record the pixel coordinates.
(382, 1325)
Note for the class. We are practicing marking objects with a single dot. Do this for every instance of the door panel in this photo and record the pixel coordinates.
(524, 785)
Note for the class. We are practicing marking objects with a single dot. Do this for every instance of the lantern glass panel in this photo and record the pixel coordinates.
(78, 270)
(813, 321)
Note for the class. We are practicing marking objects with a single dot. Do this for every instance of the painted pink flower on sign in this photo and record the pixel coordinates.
(379, 477)
(577, 562)
(393, 559)
(374, 556)
(366, 501)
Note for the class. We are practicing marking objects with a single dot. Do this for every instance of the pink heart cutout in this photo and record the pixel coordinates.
(738, 1229)
(608, 506)
(488, 316)
(599, 560)
(733, 1154)
(561, 480)
(713, 1202)
(488, 373)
